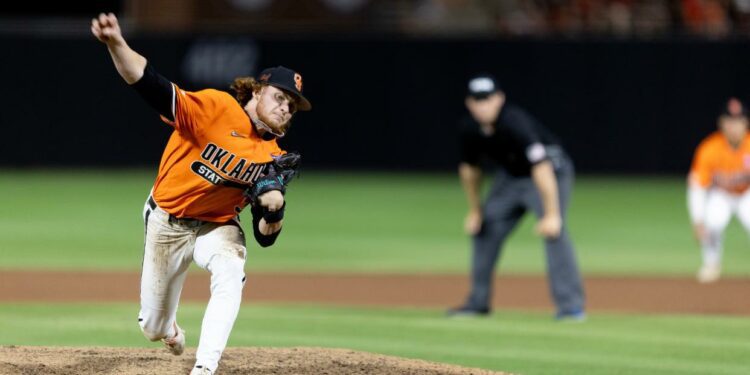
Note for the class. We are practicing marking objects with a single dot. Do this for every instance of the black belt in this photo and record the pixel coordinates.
(151, 203)
(186, 221)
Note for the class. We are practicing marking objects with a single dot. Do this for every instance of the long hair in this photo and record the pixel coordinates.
(244, 88)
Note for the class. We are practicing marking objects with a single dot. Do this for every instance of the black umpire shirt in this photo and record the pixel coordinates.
(517, 144)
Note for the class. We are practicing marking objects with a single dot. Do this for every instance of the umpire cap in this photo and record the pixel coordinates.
(287, 80)
(482, 85)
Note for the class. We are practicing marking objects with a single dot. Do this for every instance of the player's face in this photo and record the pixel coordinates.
(734, 128)
(485, 111)
(276, 108)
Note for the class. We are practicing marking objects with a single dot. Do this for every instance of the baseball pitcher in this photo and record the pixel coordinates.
(221, 157)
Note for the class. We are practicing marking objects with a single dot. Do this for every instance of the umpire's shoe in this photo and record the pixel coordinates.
(467, 312)
(578, 316)
(176, 344)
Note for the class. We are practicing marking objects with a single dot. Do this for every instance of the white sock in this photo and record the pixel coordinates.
(711, 249)
(227, 277)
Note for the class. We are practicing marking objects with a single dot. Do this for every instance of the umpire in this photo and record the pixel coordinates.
(534, 174)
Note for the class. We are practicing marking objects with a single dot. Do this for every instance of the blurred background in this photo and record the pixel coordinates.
(630, 86)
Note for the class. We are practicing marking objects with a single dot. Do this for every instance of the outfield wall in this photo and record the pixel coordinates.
(619, 106)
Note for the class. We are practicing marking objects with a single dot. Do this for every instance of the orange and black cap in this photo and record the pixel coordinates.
(287, 80)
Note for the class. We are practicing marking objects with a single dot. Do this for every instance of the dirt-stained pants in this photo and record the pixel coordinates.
(171, 245)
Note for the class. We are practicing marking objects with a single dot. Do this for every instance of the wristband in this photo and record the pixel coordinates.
(274, 216)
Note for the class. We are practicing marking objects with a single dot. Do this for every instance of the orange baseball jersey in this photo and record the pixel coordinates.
(214, 142)
(716, 156)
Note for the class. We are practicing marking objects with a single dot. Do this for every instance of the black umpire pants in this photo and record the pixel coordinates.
(508, 200)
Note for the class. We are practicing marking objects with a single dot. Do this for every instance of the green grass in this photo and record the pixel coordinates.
(520, 342)
(366, 222)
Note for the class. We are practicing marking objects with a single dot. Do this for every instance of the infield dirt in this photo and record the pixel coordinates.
(613, 294)
(260, 361)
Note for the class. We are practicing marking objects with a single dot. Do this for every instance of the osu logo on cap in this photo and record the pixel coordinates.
(298, 81)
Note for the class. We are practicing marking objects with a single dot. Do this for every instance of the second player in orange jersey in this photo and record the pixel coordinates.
(718, 186)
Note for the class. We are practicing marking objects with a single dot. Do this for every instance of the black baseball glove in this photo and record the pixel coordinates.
(280, 173)
(287, 166)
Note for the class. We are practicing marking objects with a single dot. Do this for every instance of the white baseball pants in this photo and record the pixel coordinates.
(720, 206)
(170, 246)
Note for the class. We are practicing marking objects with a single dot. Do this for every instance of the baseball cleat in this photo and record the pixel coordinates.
(709, 274)
(176, 344)
(201, 370)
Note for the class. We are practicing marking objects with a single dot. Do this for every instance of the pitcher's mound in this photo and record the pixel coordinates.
(28, 360)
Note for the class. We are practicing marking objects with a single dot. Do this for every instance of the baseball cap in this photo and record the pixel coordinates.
(288, 80)
(482, 85)
(734, 108)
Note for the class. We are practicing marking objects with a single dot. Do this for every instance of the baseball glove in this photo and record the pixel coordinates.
(287, 165)
(281, 171)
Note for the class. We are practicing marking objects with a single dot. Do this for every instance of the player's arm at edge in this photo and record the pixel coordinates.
(156, 90)
(696, 199)
(698, 182)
